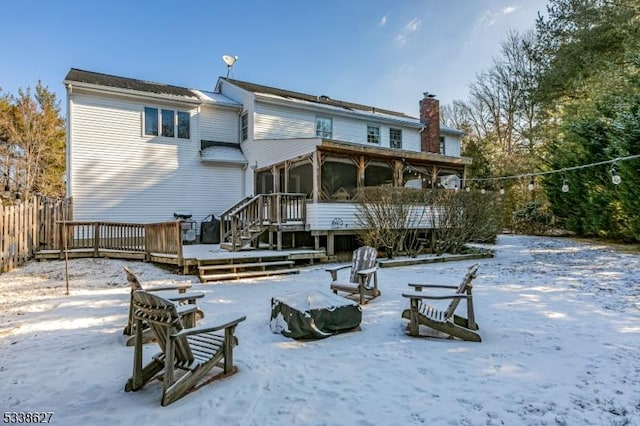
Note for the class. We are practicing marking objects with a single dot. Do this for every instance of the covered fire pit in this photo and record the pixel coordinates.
(313, 314)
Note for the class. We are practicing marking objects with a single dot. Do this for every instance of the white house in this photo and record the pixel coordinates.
(139, 151)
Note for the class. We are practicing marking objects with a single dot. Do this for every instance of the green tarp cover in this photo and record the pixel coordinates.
(313, 314)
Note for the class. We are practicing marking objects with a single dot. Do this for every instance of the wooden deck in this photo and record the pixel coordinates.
(162, 243)
(211, 263)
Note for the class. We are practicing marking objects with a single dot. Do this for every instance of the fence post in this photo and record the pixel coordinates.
(96, 238)
(63, 239)
(147, 252)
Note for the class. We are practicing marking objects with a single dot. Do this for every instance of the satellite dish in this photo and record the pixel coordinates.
(229, 60)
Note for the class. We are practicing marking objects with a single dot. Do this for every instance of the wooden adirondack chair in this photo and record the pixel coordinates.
(188, 354)
(363, 268)
(445, 321)
(181, 299)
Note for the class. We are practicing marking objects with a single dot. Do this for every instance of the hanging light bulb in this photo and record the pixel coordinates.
(482, 191)
(467, 189)
(531, 185)
(615, 177)
(565, 185)
(502, 190)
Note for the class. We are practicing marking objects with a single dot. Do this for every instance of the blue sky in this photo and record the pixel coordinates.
(383, 53)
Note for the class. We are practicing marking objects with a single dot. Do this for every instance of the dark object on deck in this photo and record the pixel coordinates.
(210, 230)
(188, 227)
(313, 314)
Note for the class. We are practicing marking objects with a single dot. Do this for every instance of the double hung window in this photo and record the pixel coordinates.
(395, 138)
(164, 122)
(324, 127)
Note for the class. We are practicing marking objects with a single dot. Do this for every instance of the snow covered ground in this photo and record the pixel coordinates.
(560, 323)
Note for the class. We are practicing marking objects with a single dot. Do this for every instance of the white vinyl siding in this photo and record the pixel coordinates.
(279, 122)
(451, 146)
(273, 122)
(120, 175)
(218, 124)
(343, 217)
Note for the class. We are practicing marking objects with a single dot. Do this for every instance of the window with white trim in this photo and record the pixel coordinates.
(168, 123)
(184, 125)
(324, 127)
(164, 122)
(442, 146)
(395, 138)
(244, 126)
(373, 134)
(151, 121)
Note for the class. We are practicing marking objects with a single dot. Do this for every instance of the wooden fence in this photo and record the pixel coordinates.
(30, 226)
(44, 228)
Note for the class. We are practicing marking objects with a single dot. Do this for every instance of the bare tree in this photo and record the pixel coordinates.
(460, 217)
(391, 218)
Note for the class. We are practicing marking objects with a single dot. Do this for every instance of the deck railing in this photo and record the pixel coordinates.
(253, 215)
(125, 240)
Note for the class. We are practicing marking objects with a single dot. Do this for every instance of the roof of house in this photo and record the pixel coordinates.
(106, 80)
(319, 99)
(100, 79)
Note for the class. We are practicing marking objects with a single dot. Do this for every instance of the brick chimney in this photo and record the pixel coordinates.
(430, 117)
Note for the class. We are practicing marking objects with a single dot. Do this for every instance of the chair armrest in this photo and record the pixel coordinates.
(419, 287)
(368, 271)
(182, 297)
(179, 287)
(199, 330)
(420, 295)
(337, 268)
(186, 309)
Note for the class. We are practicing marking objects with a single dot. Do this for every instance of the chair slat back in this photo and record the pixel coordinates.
(363, 258)
(462, 289)
(133, 280)
(163, 319)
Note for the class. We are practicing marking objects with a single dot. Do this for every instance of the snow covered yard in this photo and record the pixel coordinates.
(559, 319)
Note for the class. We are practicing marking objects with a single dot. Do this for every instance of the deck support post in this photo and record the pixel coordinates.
(330, 244)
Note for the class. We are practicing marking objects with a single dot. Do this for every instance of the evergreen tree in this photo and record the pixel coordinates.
(32, 133)
(589, 55)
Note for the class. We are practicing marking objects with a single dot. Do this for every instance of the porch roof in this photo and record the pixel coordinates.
(417, 158)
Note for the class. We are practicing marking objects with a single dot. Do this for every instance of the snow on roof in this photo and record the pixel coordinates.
(215, 98)
(223, 154)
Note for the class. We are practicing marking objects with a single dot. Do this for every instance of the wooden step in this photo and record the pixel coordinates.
(239, 247)
(204, 268)
(247, 274)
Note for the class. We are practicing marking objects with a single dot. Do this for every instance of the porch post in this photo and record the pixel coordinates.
(286, 176)
(276, 178)
(362, 165)
(315, 160)
(398, 170)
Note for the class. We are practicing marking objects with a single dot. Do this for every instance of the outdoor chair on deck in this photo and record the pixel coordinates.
(184, 301)
(363, 269)
(188, 354)
(446, 322)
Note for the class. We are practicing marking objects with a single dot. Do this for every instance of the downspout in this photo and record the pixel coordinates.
(67, 179)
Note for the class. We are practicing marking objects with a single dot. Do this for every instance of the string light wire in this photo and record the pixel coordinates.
(549, 172)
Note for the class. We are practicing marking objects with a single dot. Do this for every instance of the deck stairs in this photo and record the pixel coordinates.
(242, 225)
(248, 266)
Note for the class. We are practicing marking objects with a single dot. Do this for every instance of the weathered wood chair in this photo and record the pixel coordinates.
(363, 269)
(181, 299)
(188, 354)
(447, 322)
